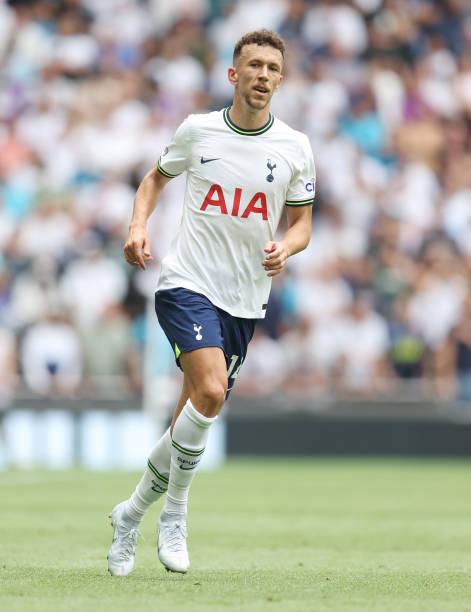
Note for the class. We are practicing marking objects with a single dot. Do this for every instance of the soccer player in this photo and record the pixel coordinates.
(243, 167)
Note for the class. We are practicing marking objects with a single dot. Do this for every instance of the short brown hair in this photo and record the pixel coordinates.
(260, 37)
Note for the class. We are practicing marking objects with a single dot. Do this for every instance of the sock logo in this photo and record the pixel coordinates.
(157, 488)
(185, 464)
(197, 329)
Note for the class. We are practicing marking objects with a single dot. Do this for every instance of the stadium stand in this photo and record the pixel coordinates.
(91, 90)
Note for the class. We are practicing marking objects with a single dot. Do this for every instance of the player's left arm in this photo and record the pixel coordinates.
(296, 239)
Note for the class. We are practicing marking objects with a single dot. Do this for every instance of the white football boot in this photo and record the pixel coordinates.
(171, 543)
(121, 555)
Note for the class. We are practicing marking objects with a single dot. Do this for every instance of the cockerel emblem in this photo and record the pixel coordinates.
(197, 329)
(271, 167)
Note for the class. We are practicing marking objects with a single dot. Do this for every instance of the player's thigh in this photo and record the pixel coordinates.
(205, 375)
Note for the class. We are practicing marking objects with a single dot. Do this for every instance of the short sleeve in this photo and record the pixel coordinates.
(302, 187)
(175, 157)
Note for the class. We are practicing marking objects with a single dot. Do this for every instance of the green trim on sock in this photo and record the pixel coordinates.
(156, 472)
(187, 451)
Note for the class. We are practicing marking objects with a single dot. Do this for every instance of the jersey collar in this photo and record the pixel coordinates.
(239, 130)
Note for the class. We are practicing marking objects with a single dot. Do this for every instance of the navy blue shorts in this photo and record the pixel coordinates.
(190, 321)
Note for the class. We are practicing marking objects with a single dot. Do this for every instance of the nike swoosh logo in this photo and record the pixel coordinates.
(205, 161)
(189, 468)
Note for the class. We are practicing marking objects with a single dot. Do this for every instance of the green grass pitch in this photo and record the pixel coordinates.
(275, 535)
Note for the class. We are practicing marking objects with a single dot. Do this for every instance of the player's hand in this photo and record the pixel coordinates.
(137, 247)
(275, 258)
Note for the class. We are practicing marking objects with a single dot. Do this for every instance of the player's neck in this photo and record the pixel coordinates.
(246, 118)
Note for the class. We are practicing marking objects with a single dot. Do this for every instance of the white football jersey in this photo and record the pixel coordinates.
(238, 182)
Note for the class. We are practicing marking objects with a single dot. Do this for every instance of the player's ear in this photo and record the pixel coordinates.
(232, 75)
(279, 83)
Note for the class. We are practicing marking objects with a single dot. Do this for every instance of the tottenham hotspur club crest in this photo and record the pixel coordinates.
(271, 167)
(197, 329)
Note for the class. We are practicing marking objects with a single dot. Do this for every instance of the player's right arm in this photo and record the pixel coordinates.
(172, 162)
(137, 246)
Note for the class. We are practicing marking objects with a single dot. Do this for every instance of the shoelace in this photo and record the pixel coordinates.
(128, 543)
(175, 536)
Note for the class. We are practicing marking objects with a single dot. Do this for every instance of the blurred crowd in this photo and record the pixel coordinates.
(92, 90)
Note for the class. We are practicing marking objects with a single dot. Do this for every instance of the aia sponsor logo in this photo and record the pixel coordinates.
(256, 206)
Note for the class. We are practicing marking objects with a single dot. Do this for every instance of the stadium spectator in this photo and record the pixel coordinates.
(51, 359)
(8, 367)
(91, 283)
(264, 367)
(407, 348)
(462, 342)
(106, 351)
(363, 342)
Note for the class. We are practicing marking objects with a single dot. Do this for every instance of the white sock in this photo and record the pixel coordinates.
(154, 481)
(189, 437)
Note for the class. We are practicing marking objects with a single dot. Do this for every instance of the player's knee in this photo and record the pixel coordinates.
(210, 397)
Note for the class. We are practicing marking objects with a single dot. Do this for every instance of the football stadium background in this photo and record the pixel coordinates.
(372, 321)
(365, 351)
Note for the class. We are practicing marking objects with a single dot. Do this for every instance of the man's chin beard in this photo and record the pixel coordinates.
(250, 105)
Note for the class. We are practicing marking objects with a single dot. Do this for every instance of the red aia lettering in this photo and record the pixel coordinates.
(215, 197)
(220, 201)
(236, 204)
(257, 209)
